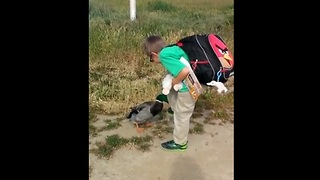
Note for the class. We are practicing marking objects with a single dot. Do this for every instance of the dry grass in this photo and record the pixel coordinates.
(120, 76)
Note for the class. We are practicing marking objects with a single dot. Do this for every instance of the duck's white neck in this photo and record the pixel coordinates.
(158, 101)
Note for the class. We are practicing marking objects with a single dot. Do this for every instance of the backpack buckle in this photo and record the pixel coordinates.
(194, 65)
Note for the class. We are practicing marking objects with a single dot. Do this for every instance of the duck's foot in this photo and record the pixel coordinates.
(148, 124)
(139, 129)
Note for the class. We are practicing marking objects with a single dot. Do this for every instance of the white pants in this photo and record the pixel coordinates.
(182, 105)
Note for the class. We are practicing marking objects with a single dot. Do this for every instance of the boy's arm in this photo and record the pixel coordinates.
(181, 76)
(172, 64)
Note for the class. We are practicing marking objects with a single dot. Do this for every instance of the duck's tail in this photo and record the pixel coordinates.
(132, 112)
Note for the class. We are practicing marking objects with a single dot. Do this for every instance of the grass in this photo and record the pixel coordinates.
(110, 125)
(161, 128)
(92, 129)
(106, 148)
(223, 106)
(120, 75)
(142, 143)
(112, 143)
(197, 129)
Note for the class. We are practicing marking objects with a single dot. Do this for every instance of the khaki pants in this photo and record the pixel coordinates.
(182, 105)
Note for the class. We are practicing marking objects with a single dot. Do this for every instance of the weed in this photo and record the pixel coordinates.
(197, 129)
(105, 149)
(114, 142)
(142, 143)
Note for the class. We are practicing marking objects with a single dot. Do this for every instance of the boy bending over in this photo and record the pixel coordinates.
(180, 101)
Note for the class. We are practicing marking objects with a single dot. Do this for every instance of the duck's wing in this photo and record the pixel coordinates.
(143, 105)
(137, 109)
(143, 115)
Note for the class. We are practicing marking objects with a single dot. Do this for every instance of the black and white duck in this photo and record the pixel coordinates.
(144, 112)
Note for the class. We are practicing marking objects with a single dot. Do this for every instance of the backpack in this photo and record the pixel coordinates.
(209, 57)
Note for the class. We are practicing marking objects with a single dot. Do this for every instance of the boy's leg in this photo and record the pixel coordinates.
(183, 111)
(172, 98)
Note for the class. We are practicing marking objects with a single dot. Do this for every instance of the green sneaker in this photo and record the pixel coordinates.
(172, 146)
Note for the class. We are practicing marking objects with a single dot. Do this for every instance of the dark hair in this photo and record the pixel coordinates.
(153, 44)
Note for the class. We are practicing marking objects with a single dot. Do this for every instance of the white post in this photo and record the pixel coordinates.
(132, 10)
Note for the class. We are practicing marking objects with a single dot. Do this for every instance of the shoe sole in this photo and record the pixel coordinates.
(174, 150)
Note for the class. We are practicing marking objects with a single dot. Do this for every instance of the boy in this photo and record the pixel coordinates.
(180, 101)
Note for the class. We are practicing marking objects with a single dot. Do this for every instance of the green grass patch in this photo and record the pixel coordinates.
(112, 143)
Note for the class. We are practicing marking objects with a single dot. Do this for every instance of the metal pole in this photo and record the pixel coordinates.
(132, 10)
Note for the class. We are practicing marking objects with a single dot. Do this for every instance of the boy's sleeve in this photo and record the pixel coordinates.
(171, 62)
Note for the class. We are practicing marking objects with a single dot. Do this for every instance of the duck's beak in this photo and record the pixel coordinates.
(227, 57)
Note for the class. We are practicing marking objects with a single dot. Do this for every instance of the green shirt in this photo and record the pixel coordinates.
(170, 59)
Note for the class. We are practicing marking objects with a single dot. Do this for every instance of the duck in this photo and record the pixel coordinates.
(144, 112)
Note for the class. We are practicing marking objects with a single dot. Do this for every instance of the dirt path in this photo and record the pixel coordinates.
(209, 157)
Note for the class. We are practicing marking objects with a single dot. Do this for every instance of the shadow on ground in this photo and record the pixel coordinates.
(185, 168)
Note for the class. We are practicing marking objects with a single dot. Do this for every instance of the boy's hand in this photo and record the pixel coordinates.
(175, 81)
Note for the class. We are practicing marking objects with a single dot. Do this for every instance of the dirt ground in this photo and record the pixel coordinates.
(209, 157)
